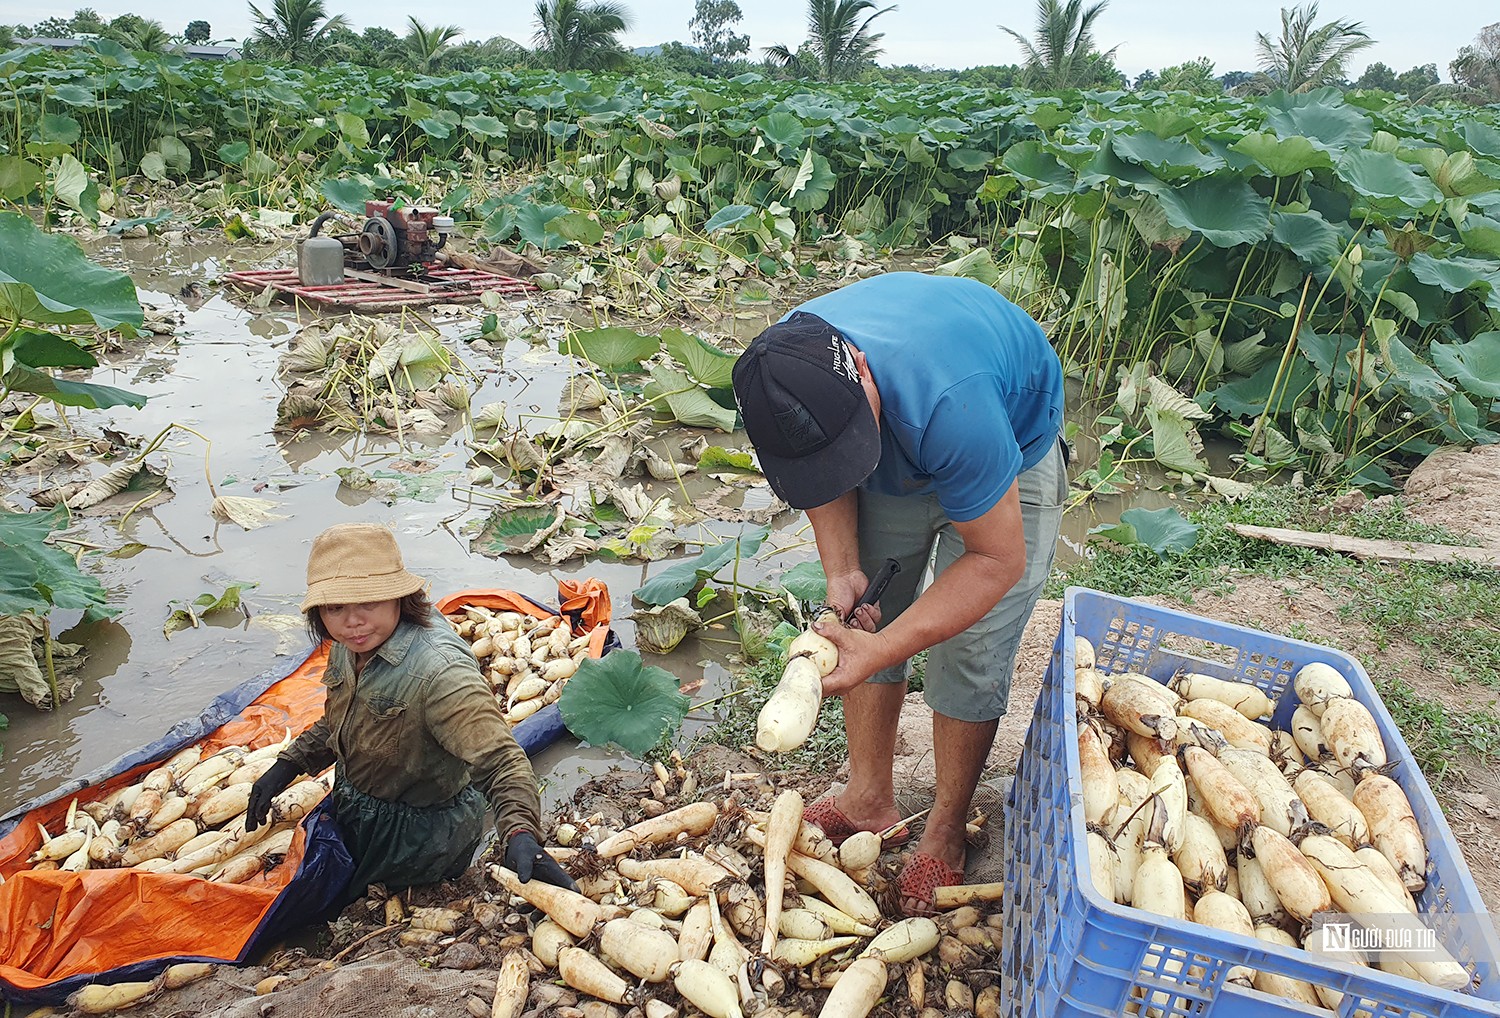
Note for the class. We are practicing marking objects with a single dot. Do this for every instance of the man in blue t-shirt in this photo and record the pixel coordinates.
(915, 417)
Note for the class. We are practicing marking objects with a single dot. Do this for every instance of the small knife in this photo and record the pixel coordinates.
(875, 589)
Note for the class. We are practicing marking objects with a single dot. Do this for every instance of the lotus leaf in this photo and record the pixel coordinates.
(718, 460)
(689, 404)
(1227, 212)
(619, 700)
(192, 613)
(1380, 175)
(705, 364)
(1039, 168)
(1481, 234)
(1170, 158)
(1314, 240)
(516, 531)
(46, 278)
(806, 582)
(1283, 157)
(1321, 117)
(678, 579)
(1475, 365)
(1164, 531)
(614, 349)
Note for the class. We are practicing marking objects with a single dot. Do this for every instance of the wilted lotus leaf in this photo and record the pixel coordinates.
(312, 351)
(481, 475)
(614, 453)
(581, 392)
(520, 453)
(661, 468)
(565, 545)
(489, 418)
(694, 448)
(411, 361)
(113, 481)
(660, 630)
(1229, 488)
(634, 502)
(298, 410)
(568, 430)
(454, 394)
(246, 512)
(420, 419)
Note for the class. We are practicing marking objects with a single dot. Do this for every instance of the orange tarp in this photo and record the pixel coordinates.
(58, 925)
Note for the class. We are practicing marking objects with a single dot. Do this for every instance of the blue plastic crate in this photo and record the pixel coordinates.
(1069, 951)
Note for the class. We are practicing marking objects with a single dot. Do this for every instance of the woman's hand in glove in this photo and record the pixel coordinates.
(525, 857)
(277, 778)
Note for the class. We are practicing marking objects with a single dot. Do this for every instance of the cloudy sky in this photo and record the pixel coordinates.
(945, 33)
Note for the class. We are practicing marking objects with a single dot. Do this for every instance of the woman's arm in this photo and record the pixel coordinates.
(310, 750)
(465, 719)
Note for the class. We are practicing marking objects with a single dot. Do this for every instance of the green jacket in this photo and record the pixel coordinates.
(418, 725)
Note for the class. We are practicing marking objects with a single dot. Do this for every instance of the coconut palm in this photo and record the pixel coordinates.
(838, 36)
(141, 35)
(581, 34)
(426, 47)
(296, 31)
(1063, 55)
(1476, 69)
(1307, 55)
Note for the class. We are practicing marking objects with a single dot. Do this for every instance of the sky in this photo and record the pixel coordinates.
(943, 33)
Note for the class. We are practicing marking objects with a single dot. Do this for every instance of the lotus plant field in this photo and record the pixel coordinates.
(1315, 276)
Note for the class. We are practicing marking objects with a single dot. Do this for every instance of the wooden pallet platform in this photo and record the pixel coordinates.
(368, 292)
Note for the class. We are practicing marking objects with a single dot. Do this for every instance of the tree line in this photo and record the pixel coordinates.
(841, 44)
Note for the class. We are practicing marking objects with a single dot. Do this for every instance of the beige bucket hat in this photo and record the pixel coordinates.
(357, 563)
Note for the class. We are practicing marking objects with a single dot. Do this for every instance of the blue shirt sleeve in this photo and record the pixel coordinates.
(969, 449)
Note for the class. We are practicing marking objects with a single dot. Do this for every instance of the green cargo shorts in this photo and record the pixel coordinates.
(967, 676)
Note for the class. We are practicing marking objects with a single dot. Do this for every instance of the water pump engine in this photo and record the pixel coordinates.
(393, 239)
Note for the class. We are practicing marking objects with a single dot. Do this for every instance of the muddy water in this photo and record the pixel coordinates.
(217, 375)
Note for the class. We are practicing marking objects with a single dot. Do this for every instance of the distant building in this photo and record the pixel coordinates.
(185, 49)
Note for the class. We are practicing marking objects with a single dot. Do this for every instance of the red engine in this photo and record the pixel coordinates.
(395, 237)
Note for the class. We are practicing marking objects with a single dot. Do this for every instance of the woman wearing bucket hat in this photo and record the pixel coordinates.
(915, 418)
(416, 733)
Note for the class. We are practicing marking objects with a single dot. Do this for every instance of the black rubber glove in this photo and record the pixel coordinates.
(524, 856)
(267, 787)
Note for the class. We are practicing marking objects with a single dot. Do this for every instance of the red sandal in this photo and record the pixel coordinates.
(921, 878)
(838, 828)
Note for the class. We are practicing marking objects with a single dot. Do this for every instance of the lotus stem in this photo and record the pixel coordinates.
(51, 681)
(1281, 370)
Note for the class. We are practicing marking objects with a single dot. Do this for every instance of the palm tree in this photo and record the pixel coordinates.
(581, 34)
(141, 35)
(1476, 69)
(838, 37)
(1308, 57)
(1063, 55)
(296, 31)
(426, 47)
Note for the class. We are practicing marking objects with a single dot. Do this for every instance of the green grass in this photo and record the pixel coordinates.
(1439, 738)
(1449, 613)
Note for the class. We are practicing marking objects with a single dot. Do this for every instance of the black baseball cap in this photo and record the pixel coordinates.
(806, 412)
